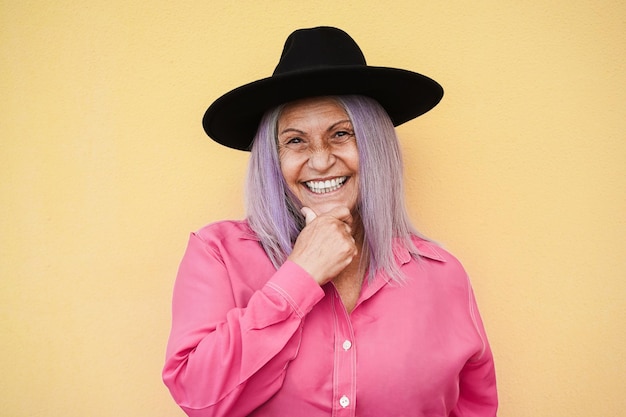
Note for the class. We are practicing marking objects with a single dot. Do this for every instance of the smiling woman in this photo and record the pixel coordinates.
(325, 289)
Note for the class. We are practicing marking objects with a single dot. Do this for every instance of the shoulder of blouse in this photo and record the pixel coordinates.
(226, 230)
(433, 251)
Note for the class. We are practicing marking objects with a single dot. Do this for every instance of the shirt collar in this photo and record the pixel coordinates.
(424, 248)
(245, 232)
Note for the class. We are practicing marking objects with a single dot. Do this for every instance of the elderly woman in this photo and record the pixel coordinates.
(325, 300)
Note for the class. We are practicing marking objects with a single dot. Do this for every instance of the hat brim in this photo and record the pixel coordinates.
(232, 120)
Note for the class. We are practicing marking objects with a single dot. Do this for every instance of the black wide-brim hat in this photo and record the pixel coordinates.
(320, 61)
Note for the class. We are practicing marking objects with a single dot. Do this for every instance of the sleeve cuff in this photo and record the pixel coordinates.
(297, 287)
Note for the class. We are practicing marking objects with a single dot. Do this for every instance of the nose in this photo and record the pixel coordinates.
(321, 158)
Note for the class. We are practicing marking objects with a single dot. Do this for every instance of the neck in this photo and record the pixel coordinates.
(349, 282)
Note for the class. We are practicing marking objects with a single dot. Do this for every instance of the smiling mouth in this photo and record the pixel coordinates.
(322, 187)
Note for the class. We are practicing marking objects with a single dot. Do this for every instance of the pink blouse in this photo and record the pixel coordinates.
(250, 340)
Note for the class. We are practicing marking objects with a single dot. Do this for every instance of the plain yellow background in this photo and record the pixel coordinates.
(520, 171)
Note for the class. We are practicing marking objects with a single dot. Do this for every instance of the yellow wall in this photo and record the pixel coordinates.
(521, 172)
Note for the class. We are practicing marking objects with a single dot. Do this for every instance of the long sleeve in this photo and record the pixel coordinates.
(477, 381)
(230, 343)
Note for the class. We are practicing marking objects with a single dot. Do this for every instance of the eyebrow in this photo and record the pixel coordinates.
(290, 129)
(334, 125)
(331, 127)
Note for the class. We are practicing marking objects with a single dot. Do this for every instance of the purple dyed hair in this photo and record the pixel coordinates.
(273, 212)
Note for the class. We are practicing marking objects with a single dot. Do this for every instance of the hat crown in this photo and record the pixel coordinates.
(320, 47)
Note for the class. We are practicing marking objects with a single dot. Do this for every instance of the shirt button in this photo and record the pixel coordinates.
(347, 345)
(344, 401)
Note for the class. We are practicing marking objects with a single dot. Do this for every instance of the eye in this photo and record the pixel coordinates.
(341, 136)
(294, 143)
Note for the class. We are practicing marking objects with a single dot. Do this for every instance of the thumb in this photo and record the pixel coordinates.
(309, 215)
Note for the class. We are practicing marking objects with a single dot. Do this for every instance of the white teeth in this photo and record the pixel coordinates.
(321, 187)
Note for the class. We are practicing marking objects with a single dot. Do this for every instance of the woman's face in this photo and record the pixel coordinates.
(318, 154)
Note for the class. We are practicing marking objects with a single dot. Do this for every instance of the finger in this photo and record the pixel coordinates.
(309, 215)
(341, 213)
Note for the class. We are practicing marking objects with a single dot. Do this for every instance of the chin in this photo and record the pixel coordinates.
(321, 208)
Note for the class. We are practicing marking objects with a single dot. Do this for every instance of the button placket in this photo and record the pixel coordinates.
(344, 375)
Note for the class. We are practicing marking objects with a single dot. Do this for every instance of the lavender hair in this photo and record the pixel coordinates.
(273, 212)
